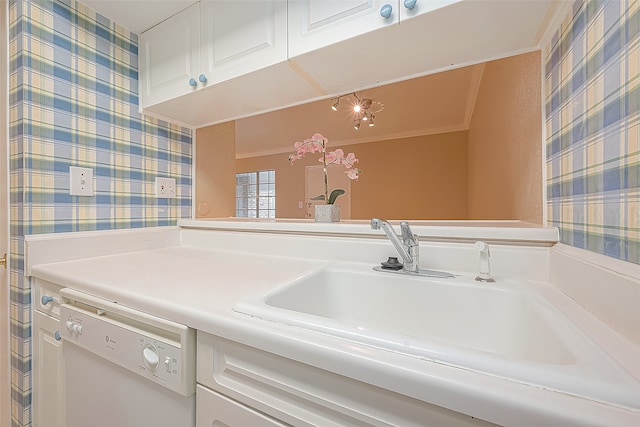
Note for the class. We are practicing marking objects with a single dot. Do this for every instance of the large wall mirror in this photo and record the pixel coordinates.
(463, 144)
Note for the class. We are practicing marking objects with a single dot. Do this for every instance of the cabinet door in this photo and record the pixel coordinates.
(318, 23)
(47, 373)
(47, 298)
(214, 409)
(240, 37)
(170, 57)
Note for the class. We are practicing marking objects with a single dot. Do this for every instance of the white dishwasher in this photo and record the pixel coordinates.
(123, 367)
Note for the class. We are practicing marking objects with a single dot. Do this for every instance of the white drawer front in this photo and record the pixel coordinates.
(302, 395)
(214, 409)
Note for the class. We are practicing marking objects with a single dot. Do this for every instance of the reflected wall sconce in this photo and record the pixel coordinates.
(361, 109)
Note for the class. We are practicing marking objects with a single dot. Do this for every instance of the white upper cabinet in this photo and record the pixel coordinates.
(314, 24)
(221, 60)
(431, 36)
(170, 57)
(239, 37)
(208, 43)
(412, 8)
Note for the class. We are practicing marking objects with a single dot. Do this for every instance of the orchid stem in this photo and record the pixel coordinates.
(326, 180)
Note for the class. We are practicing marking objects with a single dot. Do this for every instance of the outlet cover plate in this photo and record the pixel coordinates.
(165, 188)
(81, 181)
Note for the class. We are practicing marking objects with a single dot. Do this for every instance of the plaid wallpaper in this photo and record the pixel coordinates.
(592, 87)
(74, 102)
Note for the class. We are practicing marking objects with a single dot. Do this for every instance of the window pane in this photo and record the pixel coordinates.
(255, 194)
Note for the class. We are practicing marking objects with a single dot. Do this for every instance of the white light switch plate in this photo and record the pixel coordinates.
(81, 181)
(165, 188)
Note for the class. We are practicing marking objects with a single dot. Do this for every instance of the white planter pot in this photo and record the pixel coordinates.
(327, 213)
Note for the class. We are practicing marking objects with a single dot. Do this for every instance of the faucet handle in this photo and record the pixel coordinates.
(408, 238)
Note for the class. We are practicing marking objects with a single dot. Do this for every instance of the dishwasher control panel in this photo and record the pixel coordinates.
(155, 348)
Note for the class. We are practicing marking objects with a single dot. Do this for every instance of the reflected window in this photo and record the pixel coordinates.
(256, 194)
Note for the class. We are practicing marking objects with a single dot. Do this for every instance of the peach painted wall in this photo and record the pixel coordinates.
(505, 148)
(215, 171)
(421, 177)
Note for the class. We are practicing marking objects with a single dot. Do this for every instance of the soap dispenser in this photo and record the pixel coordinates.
(485, 263)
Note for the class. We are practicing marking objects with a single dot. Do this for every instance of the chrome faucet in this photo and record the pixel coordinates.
(408, 248)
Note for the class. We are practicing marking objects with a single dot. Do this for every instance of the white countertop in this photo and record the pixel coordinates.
(176, 282)
(198, 287)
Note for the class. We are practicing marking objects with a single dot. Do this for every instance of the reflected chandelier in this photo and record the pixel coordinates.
(361, 109)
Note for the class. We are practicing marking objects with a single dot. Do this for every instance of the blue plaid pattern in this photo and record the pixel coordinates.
(74, 102)
(592, 71)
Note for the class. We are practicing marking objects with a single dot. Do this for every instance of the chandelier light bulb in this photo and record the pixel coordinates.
(356, 108)
(357, 125)
(334, 107)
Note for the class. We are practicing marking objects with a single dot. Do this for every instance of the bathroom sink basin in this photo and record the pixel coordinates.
(404, 313)
(505, 328)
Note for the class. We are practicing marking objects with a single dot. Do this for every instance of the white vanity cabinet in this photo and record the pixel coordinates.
(208, 43)
(246, 382)
(47, 358)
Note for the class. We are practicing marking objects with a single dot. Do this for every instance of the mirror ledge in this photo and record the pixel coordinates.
(506, 231)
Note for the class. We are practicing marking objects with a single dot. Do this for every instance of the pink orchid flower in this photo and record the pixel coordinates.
(335, 157)
(349, 161)
(300, 147)
(329, 157)
(317, 144)
(294, 157)
(353, 173)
